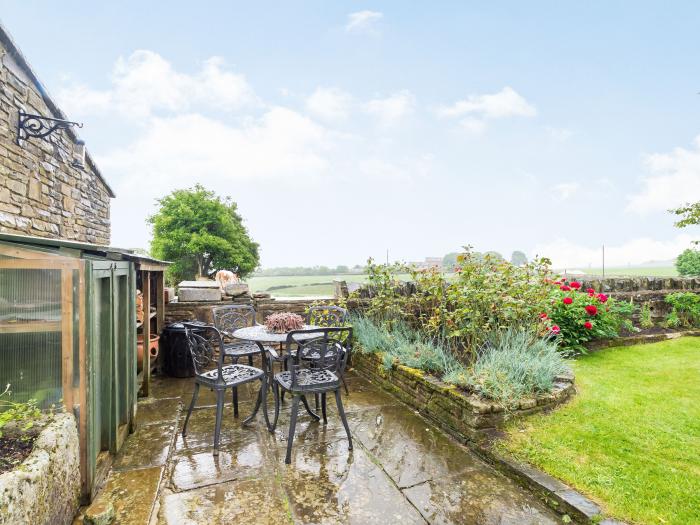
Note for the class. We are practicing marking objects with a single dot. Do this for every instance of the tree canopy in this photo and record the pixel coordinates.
(688, 263)
(518, 258)
(201, 233)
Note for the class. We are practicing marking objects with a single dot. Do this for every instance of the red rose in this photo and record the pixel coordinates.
(564, 288)
(591, 294)
(588, 325)
(591, 310)
(575, 285)
(591, 291)
(555, 329)
(556, 282)
(602, 297)
(543, 316)
(567, 300)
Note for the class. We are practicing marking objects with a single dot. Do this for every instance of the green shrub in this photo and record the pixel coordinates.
(645, 316)
(687, 307)
(688, 263)
(672, 319)
(513, 364)
(23, 415)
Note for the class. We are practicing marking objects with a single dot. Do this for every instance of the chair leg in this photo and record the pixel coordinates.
(235, 401)
(339, 402)
(258, 402)
(316, 402)
(195, 394)
(219, 415)
(323, 407)
(276, 389)
(308, 409)
(250, 360)
(292, 427)
(263, 388)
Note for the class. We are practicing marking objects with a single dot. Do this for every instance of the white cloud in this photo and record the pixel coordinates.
(145, 83)
(392, 108)
(505, 103)
(329, 103)
(674, 180)
(566, 254)
(559, 134)
(476, 110)
(472, 125)
(362, 21)
(566, 190)
(182, 149)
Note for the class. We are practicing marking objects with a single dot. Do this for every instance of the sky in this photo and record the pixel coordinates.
(346, 129)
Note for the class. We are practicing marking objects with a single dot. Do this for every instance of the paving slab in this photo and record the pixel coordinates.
(147, 447)
(476, 497)
(252, 501)
(132, 493)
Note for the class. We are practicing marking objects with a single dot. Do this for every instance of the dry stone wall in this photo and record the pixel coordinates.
(41, 192)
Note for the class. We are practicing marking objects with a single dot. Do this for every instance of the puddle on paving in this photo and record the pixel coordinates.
(132, 493)
(330, 484)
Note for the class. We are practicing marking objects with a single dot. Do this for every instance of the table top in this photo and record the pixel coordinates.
(260, 333)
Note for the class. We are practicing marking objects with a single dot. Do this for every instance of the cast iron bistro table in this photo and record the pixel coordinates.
(259, 335)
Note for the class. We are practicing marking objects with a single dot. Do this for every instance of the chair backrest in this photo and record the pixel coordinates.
(327, 350)
(326, 316)
(201, 347)
(228, 319)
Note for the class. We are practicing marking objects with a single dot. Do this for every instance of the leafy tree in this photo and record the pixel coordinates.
(449, 261)
(690, 215)
(494, 256)
(201, 233)
(518, 258)
(688, 263)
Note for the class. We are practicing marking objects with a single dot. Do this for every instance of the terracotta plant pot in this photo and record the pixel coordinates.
(152, 349)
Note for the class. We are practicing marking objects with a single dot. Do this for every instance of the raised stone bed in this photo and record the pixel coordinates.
(45, 488)
(640, 339)
(467, 417)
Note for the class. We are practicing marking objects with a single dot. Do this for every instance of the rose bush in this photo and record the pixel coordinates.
(577, 317)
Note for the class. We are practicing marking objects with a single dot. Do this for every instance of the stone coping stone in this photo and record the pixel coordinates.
(45, 488)
(554, 492)
(198, 284)
(640, 339)
(199, 295)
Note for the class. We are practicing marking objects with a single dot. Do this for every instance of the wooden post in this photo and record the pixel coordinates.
(67, 338)
(146, 332)
(160, 310)
(82, 384)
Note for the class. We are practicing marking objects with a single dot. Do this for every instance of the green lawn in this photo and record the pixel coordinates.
(630, 439)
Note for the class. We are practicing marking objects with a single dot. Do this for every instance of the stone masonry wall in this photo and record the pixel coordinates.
(264, 306)
(41, 192)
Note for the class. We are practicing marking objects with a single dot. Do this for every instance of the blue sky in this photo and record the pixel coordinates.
(548, 127)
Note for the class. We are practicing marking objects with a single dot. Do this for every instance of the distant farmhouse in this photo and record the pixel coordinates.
(49, 187)
(428, 263)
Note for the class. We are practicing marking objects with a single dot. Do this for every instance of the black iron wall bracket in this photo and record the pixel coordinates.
(36, 126)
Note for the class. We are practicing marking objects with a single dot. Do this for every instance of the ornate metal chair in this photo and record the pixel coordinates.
(328, 317)
(329, 352)
(227, 320)
(210, 372)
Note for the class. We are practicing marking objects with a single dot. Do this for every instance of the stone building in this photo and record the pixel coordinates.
(49, 187)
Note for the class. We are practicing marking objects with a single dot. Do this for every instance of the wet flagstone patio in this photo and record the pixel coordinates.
(402, 470)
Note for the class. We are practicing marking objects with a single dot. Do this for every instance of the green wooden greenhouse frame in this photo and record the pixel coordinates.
(84, 325)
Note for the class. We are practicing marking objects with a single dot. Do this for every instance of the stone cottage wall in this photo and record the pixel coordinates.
(41, 192)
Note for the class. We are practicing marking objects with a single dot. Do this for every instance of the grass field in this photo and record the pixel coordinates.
(300, 285)
(630, 438)
(322, 285)
(666, 271)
